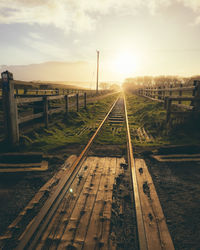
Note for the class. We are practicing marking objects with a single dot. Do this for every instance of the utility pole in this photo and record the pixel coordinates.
(97, 86)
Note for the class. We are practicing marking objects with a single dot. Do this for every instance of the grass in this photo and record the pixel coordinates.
(151, 115)
(75, 128)
(112, 135)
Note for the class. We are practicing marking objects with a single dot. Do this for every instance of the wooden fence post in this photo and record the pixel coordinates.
(180, 93)
(46, 118)
(67, 104)
(85, 100)
(170, 92)
(163, 93)
(10, 109)
(165, 102)
(194, 92)
(169, 102)
(77, 102)
(159, 92)
(196, 102)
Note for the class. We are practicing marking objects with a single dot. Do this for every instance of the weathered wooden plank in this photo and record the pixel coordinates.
(77, 186)
(57, 110)
(156, 229)
(28, 99)
(11, 168)
(184, 112)
(171, 89)
(83, 206)
(82, 230)
(57, 226)
(56, 97)
(98, 229)
(29, 118)
(177, 157)
(105, 220)
(182, 98)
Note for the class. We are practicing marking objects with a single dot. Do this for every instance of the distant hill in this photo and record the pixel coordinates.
(47, 85)
(66, 73)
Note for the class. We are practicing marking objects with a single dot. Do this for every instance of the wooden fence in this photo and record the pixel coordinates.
(40, 100)
(187, 98)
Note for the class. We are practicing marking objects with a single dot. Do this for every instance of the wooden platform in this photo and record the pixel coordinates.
(177, 157)
(156, 230)
(22, 162)
(83, 218)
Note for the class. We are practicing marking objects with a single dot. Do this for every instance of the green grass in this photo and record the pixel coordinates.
(151, 115)
(67, 129)
(110, 137)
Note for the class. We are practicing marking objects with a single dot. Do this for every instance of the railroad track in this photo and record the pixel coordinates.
(77, 215)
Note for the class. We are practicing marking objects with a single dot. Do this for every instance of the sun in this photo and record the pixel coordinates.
(125, 64)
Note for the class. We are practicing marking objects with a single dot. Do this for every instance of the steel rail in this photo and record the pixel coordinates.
(139, 215)
(34, 231)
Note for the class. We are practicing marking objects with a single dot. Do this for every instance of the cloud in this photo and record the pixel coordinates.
(77, 15)
(193, 4)
(48, 50)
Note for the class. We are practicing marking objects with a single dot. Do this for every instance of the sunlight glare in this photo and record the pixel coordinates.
(125, 64)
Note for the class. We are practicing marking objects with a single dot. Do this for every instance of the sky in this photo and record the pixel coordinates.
(134, 37)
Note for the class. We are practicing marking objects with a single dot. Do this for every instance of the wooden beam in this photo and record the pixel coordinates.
(55, 97)
(56, 110)
(29, 118)
(28, 99)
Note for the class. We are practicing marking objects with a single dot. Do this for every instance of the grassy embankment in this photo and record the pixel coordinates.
(151, 115)
(75, 128)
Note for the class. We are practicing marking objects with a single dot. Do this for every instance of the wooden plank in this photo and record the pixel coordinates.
(106, 217)
(57, 110)
(171, 89)
(83, 206)
(29, 118)
(183, 98)
(177, 158)
(97, 205)
(156, 229)
(77, 188)
(42, 167)
(98, 229)
(28, 99)
(56, 97)
(185, 112)
(183, 106)
(21, 165)
(58, 224)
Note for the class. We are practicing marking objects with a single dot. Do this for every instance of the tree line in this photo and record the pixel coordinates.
(155, 81)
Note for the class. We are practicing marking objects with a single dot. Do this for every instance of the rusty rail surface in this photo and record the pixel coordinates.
(140, 222)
